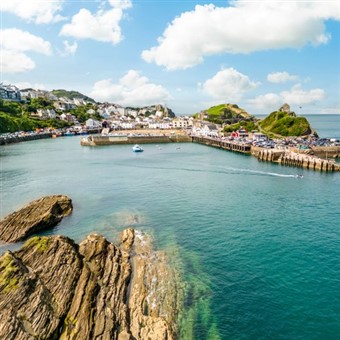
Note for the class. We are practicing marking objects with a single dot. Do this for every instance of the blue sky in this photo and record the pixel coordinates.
(188, 55)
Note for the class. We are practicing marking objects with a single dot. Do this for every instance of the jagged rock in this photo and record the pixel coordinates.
(286, 108)
(155, 297)
(99, 308)
(36, 287)
(40, 214)
(52, 288)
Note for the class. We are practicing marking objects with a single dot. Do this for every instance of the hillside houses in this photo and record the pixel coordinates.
(207, 129)
(10, 92)
(45, 114)
(30, 93)
(75, 110)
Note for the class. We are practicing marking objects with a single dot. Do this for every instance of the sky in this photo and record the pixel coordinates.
(187, 55)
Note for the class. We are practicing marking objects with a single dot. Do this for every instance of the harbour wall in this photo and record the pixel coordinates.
(326, 152)
(18, 139)
(284, 157)
(112, 140)
(226, 145)
(295, 159)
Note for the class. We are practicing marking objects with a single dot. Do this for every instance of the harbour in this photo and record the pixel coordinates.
(291, 156)
(245, 235)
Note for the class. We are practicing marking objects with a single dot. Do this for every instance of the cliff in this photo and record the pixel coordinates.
(53, 288)
(40, 214)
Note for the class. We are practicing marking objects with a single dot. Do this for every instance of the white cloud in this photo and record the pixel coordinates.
(244, 27)
(298, 96)
(102, 26)
(228, 85)
(69, 49)
(269, 100)
(295, 96)
(123, 4)
(39, 12)
(18, 40)
(281, 77)
(13, 45)
(15, 62)
(132, 89)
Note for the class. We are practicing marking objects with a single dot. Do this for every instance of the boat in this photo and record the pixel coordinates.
(69, 133)
(137, 148)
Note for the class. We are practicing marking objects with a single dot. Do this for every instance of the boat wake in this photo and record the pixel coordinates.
(227, 171)
(265, 173)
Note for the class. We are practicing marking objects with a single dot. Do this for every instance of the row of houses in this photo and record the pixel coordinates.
(147, 123)
(10, 92)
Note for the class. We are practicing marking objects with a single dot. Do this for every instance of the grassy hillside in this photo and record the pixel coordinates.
(9, 123)
(228, 114)
(15, 116)
(285, 124)
(71, 94)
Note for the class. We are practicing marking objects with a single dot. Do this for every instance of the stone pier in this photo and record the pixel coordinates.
(226, 145)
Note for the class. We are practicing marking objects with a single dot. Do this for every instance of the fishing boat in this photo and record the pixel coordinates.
(137, 148)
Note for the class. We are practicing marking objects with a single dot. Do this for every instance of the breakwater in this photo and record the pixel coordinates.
(326, 151)
(295, 159)
(126, 139)
(285, 157)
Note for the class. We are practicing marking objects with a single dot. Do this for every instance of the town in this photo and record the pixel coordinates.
(157, 123)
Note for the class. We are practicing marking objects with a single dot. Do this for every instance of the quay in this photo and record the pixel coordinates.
(145, 138)
(293, 158)
(222, 144)
(18, 139)
(286, 157)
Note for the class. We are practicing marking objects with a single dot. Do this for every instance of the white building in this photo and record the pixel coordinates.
(91, 112)
(206, 129)
(92, 123)
(159, 125)
(127, 125)
(180, 123)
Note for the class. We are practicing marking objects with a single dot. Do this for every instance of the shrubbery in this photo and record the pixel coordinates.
(281, 123)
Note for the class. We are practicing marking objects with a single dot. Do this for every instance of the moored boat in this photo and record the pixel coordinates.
(137, 148)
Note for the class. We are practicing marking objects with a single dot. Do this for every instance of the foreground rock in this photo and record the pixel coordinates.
(40, 214)
(53, 288)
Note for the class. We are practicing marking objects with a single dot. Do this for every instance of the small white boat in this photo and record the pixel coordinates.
(137, 148)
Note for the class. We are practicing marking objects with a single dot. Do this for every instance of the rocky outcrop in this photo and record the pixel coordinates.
(53, 288)
(38, 215)
(286, 108)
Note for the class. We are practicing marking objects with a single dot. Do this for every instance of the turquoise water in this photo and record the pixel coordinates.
(259, 249)
(327, 126)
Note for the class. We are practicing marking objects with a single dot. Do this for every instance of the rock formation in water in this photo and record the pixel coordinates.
(40, 214)
(53, 288)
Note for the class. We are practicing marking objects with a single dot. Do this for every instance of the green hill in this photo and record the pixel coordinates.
(71, 94)
(225, 113)
(283, 123)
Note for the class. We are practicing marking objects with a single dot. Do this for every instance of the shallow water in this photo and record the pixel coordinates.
(259, 248)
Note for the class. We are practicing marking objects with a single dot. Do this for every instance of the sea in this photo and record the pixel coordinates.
(257, 248)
